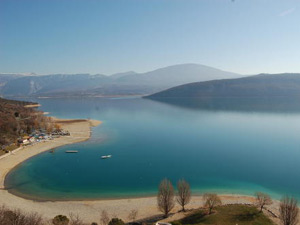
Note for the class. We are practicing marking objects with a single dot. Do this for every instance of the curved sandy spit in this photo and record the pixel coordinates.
(89, 210)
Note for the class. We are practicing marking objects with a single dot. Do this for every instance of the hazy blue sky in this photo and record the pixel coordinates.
(108, 36)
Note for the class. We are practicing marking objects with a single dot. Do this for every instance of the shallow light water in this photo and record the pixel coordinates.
(226, 146)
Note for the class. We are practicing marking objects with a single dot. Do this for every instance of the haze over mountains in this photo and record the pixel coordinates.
(129, 83)
(4, 78)
(262, 85)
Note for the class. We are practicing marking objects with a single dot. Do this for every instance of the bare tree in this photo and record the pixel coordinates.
(2, 214)
(165, 197)
(114, 215)
(184, 193)
(289, 211)
(262, 200)
(35, 219)
(104, 219)
(13, 217)
(75, 219)
(132, 215)
(211, 200)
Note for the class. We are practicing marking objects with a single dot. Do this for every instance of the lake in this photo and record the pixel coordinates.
(237, 146)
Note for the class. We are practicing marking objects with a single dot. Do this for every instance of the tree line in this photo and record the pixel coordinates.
(166, 199)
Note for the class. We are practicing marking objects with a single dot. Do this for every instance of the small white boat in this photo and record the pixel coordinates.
(105, 156)
(72, 151)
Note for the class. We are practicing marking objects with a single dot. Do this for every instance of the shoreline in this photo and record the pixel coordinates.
(89, 209)
(95, 199)
(122, 197)
(80, 130)
(32, 106)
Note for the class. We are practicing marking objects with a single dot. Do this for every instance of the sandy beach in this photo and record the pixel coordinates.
(32, 106)
(89, 211)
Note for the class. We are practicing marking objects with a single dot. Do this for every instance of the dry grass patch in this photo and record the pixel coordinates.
(227, 215)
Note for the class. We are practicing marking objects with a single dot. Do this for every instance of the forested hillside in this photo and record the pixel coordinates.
(17, 120)
(262, 85)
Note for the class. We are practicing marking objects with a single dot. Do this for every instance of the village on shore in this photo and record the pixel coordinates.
(41, 135)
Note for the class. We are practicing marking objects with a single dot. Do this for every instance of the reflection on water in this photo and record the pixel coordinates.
(273, 105)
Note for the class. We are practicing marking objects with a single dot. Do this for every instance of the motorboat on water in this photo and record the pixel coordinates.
(105, 156)
(72, 151)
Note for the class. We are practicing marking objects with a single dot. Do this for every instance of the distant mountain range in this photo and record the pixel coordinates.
(4, 78)
(129, 83)
(262, 85)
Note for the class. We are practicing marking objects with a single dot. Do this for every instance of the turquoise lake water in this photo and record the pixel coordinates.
(225, 146)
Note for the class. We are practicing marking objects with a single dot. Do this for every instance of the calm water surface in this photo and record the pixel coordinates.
(232, 146)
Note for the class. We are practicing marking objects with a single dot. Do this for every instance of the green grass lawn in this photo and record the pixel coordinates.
(227, 215)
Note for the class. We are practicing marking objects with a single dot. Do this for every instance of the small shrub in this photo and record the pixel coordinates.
(176, 223)
(116, 221)
(60, 220)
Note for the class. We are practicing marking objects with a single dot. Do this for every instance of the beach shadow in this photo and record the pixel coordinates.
(246, 216)
(194, 218)
(152, 219)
